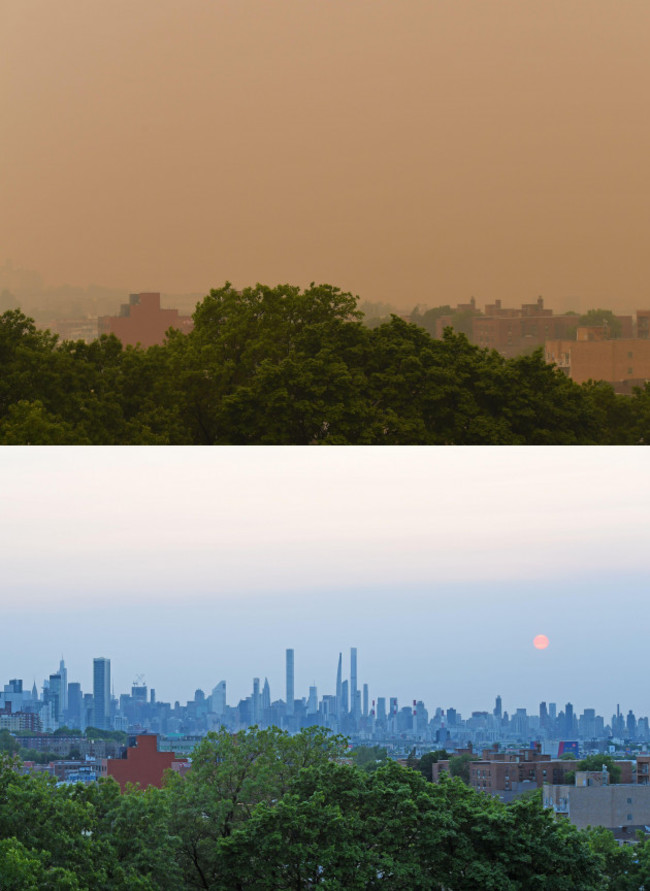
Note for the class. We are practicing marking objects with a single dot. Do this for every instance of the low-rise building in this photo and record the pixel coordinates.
(142, 764)
(622, 362)
(143, 321)
(509, 774)
(616, 806)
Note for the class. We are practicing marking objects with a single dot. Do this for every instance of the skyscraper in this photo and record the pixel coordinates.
(63, 671)
(543, 715)
(75, 701)
(219, 699)
(353, 681)
(54, 696)
(339, 687)
(290, 679)
(102, 693)
(256, 711)
(266, 695)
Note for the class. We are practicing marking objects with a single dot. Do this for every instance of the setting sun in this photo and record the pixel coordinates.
(540, 642)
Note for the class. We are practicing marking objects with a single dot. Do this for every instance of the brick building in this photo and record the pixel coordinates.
(623, 362)
(511, 331)
(15, 721)
(143, 321)
(509, 774)
(141, 763)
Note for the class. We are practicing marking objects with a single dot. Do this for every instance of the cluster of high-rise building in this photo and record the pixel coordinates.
(348, 709)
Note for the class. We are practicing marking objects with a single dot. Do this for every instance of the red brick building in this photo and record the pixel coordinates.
(508, 774)
(142, 763)
(511, 331)
(142, 321)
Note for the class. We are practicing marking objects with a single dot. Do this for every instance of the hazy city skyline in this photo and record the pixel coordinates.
(441, 566)
(405, 151)
(352, 710)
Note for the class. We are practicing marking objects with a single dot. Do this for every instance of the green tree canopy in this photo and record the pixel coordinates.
(285, 365)
(601, 318)
(597, 762)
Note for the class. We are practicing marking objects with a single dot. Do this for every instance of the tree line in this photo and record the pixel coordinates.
(281, 365)
(266, 811)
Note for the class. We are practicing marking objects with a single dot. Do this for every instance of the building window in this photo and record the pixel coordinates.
(629, 801)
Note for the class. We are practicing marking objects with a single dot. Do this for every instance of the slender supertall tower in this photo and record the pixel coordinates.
(290, 678)
(339, 688)
(266, 695)
(353, 681)
(257, 702)
(63, 671)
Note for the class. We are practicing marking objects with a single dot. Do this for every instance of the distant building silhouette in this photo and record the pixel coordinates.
(290, 683)
(142, 321)
(102, 693)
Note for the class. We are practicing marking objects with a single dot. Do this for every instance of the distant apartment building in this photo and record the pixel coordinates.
(143, 321)
(622, 808)
(624, 362)
(142, 763)
(19, 721)
(71, 329)
(510, 331)
(507, 775)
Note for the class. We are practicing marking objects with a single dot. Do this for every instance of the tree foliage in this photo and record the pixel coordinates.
(597, 762)
(265, 811)
(602, 318)
(281, 365)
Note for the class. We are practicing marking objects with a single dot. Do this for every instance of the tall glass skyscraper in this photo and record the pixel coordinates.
(354, 707)
(290, 680)
(102, 693)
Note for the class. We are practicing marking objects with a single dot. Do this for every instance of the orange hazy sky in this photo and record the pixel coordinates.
(406, 150)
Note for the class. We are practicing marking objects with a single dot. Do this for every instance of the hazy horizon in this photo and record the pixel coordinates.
(409, 152)
(440, 565)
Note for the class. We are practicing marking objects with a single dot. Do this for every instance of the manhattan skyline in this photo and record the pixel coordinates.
(440, 566)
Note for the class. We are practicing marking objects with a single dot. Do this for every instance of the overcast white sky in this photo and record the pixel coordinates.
(440, 565)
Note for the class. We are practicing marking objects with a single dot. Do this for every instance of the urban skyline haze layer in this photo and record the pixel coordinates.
(411, 152)
(441, 566)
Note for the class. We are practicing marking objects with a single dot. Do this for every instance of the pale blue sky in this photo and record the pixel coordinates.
(440, 565)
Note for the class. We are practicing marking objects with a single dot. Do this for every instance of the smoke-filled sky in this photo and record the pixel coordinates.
(440, 565)
(406, 150)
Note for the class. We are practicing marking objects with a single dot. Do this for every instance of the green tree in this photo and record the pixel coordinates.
(8, 743)
(369, 758)
(273, 365)
(459, 766)
(429, 317)
(231, 776)
(597, 762)
(620, 864)
(429, 759)
(602, 318)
